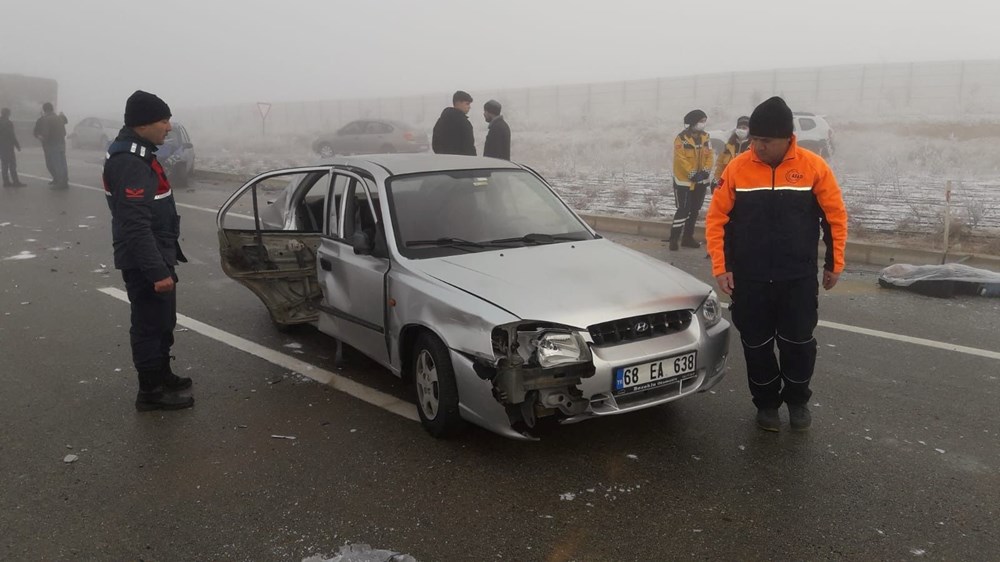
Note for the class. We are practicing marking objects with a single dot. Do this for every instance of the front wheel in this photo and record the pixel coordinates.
(326, 150)
(180, 175)
(436, 389)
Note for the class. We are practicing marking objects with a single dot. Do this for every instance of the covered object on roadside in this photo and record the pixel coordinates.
(946, 280)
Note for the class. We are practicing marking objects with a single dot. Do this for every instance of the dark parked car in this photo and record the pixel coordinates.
(372, 136)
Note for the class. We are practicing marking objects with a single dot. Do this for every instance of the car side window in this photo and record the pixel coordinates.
(374, 128)
(310, 204)
(806, 124)
(352, 128)
(361, 213)
(340, 183)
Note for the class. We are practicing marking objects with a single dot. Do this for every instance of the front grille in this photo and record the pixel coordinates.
(640, 327)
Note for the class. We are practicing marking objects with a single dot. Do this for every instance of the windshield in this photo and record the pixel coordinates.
(444, 213)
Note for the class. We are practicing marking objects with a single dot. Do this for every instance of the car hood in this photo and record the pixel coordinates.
(572, 283)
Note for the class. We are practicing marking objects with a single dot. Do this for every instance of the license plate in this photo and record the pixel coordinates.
(645, 376)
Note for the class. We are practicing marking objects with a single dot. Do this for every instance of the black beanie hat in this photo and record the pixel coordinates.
(742, 120)
(694, 116)
(492, 106)
(143, 108)
(772, 119)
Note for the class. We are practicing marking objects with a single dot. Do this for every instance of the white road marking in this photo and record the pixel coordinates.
(184, 205)
(909, 339)
(341, 383)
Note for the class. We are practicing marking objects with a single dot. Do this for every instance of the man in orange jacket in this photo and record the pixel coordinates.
(763, 229)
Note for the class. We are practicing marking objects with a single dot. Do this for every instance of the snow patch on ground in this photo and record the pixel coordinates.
(24, 255)
(362, 553)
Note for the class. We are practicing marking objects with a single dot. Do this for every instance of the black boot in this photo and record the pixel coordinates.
(799, 417)
(690, 243)
(155, 395)
(172, 381)
(160, 398)
(675, 237)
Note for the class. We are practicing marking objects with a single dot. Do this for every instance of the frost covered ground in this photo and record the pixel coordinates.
(893, 175)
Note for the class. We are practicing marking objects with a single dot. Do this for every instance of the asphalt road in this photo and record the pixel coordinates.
(902, 462)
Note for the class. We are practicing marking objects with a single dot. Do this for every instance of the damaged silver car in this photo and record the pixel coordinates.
(472, 278)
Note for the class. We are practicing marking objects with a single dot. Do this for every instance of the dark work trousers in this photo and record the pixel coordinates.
(689, 202)
(8, 164)
(55, 162)
(782, 311)
(154, 316)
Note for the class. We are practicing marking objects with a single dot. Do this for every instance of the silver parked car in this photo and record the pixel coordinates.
(472, 278)
(94, 132)
(370, 136)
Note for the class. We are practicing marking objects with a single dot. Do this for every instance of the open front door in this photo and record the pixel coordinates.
(269, 233)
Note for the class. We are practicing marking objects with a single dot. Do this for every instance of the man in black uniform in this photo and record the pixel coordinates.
(453, 131)
(145, 228)
(498, 138)
(8, 142)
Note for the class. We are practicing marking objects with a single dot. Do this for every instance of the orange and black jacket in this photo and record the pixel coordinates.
(692, 154)
(764, 223)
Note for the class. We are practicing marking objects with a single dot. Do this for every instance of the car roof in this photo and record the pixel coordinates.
(401, 124)
(398, 164)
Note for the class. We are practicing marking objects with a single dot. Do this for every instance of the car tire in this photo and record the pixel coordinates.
(180, 177)
(824, 151)
(388, 149)
(435, 387)
(326, 150)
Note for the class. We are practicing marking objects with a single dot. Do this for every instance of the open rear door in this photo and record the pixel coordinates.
(269, 232)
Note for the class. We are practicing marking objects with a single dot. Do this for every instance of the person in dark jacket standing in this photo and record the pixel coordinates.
(692, 166)
(763, 229)
(453, 131)
(145, 228)
(498, 138)
(8, 142)
(50, 129)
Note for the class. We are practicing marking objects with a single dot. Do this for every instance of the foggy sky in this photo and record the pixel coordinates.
(197, 53)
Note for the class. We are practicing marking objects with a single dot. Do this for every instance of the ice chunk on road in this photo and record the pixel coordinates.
(362, 553)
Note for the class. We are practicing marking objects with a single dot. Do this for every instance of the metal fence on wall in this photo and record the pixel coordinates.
(947, 89)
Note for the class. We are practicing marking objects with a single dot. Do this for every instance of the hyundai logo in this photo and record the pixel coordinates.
(641, 327)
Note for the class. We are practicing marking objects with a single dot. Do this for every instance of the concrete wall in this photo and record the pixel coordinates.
(948, 89)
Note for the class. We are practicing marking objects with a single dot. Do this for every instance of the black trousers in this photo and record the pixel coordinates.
(689, 202)
(154, 316)
(785, 312)
(8, 166)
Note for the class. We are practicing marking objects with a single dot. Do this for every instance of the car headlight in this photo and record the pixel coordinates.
(553, 349)
(711, 310)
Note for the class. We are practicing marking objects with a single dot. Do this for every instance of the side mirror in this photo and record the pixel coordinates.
(363, 245)
(187, 145)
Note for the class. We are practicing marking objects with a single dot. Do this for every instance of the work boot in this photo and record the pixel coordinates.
(690, 243)
(172, 381)
(160, 398)
(675, 237)
(768, 419)
(799, 417)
